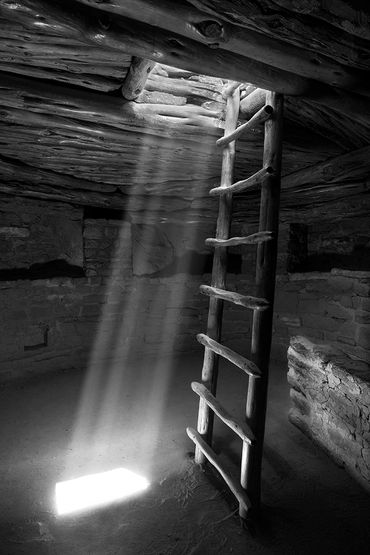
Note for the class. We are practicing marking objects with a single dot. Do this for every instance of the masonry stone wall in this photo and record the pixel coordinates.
(139, 284)
(330, 402)
(331, 307)
(36, 232)
(138, 293)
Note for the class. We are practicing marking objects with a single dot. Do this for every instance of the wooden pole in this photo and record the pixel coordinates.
(208, 453)
(219, 271)
(262, 321)
(136, 77)
(253, 102)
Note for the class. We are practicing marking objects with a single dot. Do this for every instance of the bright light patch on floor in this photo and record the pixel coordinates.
(95, 490)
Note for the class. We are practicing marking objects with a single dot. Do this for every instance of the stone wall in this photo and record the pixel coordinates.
(138, 293)
(330, 395)
(330, 304)
(37, 232)
(330, 307)
(143, 280)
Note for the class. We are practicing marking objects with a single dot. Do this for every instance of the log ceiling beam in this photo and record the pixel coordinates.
(308, 24)
(344, 131)
(193, 24)
(158, 44)
(340, 13)
(157, 120)
(21, 179)
(17, 178)
(350, 166)
(96, 27)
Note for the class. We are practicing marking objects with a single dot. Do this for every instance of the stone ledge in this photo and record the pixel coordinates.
(307, 276)
(330, 395)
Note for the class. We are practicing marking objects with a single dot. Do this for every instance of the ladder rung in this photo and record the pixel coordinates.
(238, 360)
(208, 452)
(262, 115)
(240, 428)
(253, 239)
(254, 303)
(255, 179)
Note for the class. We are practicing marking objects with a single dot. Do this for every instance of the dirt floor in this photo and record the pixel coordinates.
(64, 425)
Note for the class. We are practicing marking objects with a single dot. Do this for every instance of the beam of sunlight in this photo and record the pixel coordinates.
(122, 405)
(96, 490)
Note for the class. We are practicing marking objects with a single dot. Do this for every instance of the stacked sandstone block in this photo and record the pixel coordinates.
(330, 395)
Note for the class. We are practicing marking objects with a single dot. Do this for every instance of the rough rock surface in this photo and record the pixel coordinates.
(330, 395)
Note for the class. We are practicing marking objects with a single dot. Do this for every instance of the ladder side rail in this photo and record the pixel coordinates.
(211, 456)
(219, 271)
(265, 286)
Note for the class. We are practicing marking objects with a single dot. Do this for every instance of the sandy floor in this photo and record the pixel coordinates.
(67, 425)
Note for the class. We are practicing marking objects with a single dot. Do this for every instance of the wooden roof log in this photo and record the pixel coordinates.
(189, 85)
(147, 41)
(37, 44)
(136, 78)
(105, 139)
(194, 24)
(164, 120)
(253, 102)
(350, 18)
(350, 166)
(90, 135)
(24, 180)
(344, 131)
(27, 181)
(290, 22)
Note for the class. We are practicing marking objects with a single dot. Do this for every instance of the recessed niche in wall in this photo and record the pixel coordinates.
(297, 247)
(98, 213)
(325, 245)
(39, 239)
(46, 270)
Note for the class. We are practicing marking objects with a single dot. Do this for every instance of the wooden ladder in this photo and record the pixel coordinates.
(251, 431)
